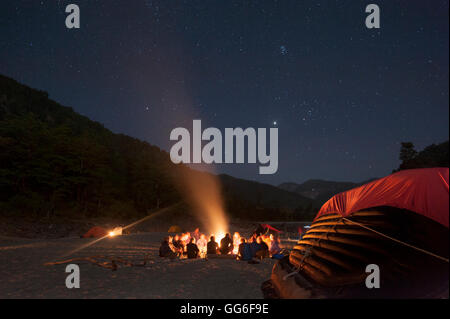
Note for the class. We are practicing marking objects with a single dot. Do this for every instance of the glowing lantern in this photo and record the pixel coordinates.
(115, 232)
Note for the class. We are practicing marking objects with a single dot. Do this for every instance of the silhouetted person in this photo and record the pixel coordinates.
(244, 251)
(226, 245)
(196, 234)
(259, 230)
(212, 246)
(254, 246)
(202, 243)
(178, 244)
(263, 250)
(274, 248)
(165, 250)
(192, 249)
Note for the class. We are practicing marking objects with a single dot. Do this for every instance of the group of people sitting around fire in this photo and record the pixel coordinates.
(195, 245)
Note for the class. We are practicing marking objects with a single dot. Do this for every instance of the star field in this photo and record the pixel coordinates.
(342, 96)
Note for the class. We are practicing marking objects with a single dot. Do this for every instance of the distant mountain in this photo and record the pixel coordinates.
(280, 202)
(320, 190)
(56, 162)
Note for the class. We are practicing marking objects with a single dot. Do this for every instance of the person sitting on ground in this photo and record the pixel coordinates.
(236, 240)
(254, 246)
(192, 249)
(165, 250)
(186, 238)
(260, 230)
(244, 251)
(212, 247)
(263, 251)
(274, 248)
(201, 244)
(178, 244)
(226, 245)
(252, 239)
(196, 234)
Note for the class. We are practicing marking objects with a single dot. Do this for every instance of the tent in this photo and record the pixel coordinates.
(95, 232)
(175, 229)
(424, 191)
(264, 229)
(399, 223)
(267, 226)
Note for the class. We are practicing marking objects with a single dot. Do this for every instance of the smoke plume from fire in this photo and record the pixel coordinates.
(203, 192)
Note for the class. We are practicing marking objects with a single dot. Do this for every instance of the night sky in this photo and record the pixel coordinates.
(342, 96)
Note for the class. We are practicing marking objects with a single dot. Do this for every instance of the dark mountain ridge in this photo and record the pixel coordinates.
(320, 190)
(56, 162)
(435, 155)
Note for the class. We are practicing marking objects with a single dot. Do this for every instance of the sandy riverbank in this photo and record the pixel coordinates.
(23, 274)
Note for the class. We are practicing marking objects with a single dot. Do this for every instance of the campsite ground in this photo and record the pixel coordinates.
(23, 274)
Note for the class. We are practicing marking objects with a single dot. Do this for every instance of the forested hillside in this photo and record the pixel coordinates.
(431, 156)
(56, 162)
(53, 159)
